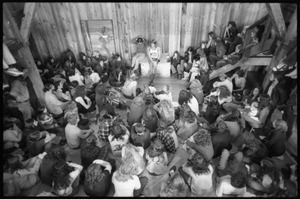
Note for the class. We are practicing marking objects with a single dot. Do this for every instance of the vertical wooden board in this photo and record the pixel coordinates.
(261, 12)
(120, 28)
(218, 18)
(205, 21)
(82, 11)
(225, 17)
(65, 26)
(175, 15)
(291, 33)
(76, 22)
(46, 31)
(189, 27)
(70, 23)
(183, 28)
(58, 22)
(39, 41)
(213, 17)
(54, 32)
(86, 37)
(87, 11)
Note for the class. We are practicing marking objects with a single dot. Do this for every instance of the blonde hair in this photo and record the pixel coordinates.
(72, 118)
(132, 152)
(280, 125)
(175, 187)
(127, 170)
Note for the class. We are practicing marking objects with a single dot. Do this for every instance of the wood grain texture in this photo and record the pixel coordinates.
(165, 22)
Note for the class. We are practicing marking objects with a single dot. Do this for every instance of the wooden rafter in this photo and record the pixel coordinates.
(275, 13)
(29, 11)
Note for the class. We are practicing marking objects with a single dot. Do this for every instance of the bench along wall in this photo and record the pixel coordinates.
(56, 26)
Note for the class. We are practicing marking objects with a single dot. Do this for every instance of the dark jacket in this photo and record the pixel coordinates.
(220, 49)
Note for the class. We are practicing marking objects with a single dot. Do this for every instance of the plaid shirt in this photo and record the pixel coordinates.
(165, 136)
(105, 126)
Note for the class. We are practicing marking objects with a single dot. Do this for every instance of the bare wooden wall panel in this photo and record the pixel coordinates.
(165, 22)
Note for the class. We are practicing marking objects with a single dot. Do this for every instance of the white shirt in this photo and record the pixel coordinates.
(193, 104)
(53, 104)
(201, 185)
(224, 100)
(77, 77)
(165, 97)
(126, 188)
(95, 77)
(225, 187)
(117, 144)
(128, 87)
(72, 135)
(226, 83)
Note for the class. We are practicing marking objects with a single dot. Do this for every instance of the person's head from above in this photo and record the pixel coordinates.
(153, 44)
(202, 137)
(117, 56)
(239, 48)
(198, 164)
(14, 163)
(82, 55)
(190, 117)
(51, 60)
(203, 44)
(166, 89)
(156, 148)
(150, 112)
(224, 92)
(139, 128)
(60, 175)
(73, 119)
(80, 91)
(223, 77)
(147, 90)
(184, 97)
(250, 141)
(101, 89)
(256, 91)
(96, 54)
(91, 139)
(235, 115)
(93, 175)
(174, 187)
(238, 179)
(38, 62)
(240, 73)
(176, 54)
(133, 77)
(264, 100)
(246, 91)
(190, 50)
(127, 169)
(231, 24)
(139, 101)
(221, 126)
(117, 129)
(280, 125)
(212, 36)
(74, 84)
(166, 104)
(48, 87)
(57, 152)
(200, 52)
(140, 40)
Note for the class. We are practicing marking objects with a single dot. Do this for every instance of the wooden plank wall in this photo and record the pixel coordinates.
(175, 26)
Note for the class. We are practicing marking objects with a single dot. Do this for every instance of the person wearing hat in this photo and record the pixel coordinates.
(118, 137)
(157, 158)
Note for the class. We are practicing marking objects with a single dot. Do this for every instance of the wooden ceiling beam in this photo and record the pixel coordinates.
(29, 11)
(275, 13)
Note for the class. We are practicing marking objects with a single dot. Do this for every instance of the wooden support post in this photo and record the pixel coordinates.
(281, 51)
(27, 58)
(275, 13)
(29, 12)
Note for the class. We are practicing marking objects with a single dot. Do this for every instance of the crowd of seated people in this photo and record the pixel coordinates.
(229, 134)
